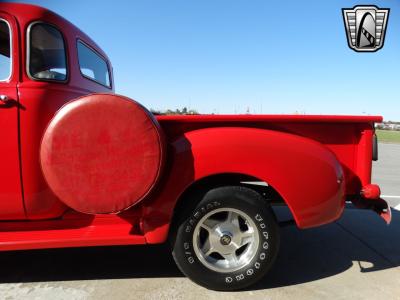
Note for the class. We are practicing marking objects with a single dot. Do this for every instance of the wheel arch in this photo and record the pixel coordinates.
(198, 188)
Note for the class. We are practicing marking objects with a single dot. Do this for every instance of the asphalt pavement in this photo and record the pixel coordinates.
(386, 173)
(357, 257)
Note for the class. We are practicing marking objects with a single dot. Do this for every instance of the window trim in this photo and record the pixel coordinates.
(11, 51)
(78, 40)
(28, 53)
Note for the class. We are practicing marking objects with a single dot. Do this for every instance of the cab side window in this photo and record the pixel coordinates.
(92, 65)
(5, 51)
(47, 58)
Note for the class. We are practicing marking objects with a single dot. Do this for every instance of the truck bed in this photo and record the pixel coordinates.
(348, 137)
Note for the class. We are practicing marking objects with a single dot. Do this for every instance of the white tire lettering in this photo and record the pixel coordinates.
(265, 245)
(250, 272)
(186, 246)
(257, 265)
(228, 279)
(262, 255)
(239, 277)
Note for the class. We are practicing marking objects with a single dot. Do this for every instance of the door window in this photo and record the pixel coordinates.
(92, 65)
(47, 59)
(5, 51)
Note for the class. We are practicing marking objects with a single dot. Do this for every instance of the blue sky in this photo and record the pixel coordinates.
(220, 56)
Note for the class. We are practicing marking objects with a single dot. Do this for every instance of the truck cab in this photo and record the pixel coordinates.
(45, 61)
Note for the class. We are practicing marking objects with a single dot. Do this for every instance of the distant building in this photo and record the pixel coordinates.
(388, 125)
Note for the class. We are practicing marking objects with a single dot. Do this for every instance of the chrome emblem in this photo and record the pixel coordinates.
(365, 27)
(225, 240)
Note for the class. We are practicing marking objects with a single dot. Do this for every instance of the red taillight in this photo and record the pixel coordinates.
(371, 191)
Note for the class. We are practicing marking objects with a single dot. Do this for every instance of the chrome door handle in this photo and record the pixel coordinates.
(4, 98)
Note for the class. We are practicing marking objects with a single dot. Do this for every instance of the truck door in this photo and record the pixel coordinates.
(11, 204)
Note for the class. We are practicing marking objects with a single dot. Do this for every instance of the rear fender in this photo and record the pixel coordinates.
(305, 173)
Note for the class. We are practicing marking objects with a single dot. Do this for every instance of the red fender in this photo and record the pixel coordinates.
(306, 174)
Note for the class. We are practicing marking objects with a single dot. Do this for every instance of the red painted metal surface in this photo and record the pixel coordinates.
(11, 204)
(314, 162)
(185, 119)
(73, 230)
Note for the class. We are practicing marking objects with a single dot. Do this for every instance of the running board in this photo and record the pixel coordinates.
(103, 230)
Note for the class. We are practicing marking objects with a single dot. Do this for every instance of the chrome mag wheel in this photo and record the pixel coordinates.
(225, 240)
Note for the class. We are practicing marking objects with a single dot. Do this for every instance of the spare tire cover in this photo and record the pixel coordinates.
(102, 153)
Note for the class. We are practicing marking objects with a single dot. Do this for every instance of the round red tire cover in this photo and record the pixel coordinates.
(102, 153)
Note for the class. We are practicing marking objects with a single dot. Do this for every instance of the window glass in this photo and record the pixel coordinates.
(47, 57)
(5, 51)
(92, 65)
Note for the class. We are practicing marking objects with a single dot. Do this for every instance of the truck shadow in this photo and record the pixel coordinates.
(359, 239)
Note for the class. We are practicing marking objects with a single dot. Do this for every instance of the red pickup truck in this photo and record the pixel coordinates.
(82, 166)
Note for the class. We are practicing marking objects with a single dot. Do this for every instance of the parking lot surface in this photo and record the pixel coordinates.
(386, 172)
(357, 257)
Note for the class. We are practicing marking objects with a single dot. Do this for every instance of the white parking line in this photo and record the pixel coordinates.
(388, 196)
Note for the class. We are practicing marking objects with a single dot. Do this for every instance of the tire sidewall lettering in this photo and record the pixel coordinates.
(190, 225)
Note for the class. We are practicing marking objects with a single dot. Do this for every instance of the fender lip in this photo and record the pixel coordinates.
(387, 216)
(382, 208)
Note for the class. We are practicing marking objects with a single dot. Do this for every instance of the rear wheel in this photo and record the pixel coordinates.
(228, 241)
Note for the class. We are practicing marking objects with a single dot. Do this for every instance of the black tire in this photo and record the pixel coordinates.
(264, 252)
